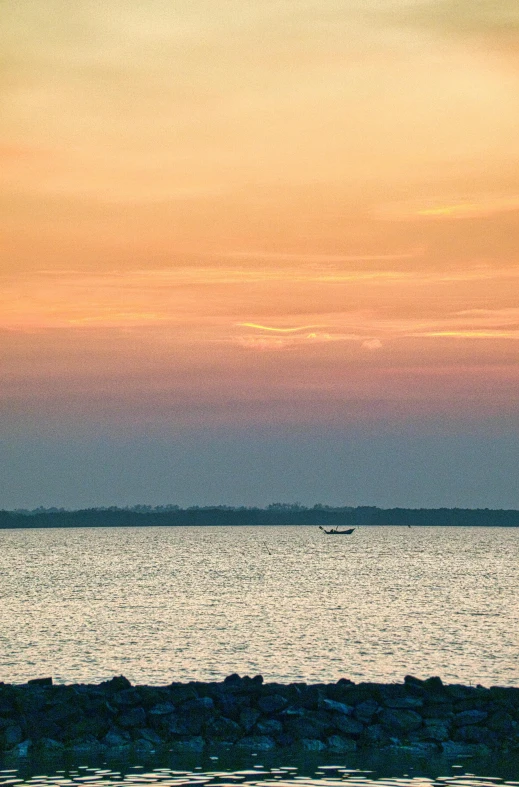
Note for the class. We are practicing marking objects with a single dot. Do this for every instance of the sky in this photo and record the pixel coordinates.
(259, 252)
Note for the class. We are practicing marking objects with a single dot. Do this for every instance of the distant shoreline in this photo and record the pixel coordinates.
(293, 515)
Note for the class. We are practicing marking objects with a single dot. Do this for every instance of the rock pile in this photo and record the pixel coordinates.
(425, 715)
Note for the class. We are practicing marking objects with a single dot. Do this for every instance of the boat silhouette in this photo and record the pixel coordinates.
(336, 532)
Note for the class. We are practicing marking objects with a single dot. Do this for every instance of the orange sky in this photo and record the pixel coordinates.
(259, 212)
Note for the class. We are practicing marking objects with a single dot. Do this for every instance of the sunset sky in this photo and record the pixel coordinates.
(259, 250)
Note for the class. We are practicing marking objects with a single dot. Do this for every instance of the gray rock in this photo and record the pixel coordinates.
(301, 727)
(347, 725)
(454, 749)
(272, 703)
(502, 723)
(474, 734)
(135, 717)
(404, 703)
(127, 698)
(117, 738)
(248, 718)
(196, 743)
(468, 717)
(400, 721)
(223, 729)
(200, 704)
(437, 731)
(313, 744)
(150, 735)
(22, 749)
(271, 727)
(374, 735)
(13, 735)
(162, 709)
(50, 746)
(336, 707)
(257, 743)
(144, 745)
(40, 682)
(339, 744)
(365, 711)
(185, 724)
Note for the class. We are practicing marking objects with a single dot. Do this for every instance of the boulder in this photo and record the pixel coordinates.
(468, 717)
(272, 703)
(400, 722)
(270, 727)
(257, 743)
(248, 718)
(134, 717)
(339, 744)
(313, 744)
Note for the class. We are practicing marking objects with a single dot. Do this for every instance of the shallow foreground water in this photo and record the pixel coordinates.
(267, 771)
(163, 604)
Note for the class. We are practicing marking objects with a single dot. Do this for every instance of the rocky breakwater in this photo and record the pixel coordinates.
(424, 715)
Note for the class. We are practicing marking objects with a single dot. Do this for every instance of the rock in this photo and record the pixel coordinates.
(404, 703)
(232, 680)
(22, 749)
(116, 684)
(223, 729)
(313, 744)
(469, 717)
(437, 710)
(400, 721)
(337, 707)
(127, 698)
(248, 718)
(50, 746)
(365, 711)
(12, 735)
(195, 743)
(339, 744)
(270, 727)
(116, 738)
(502, 723)
(347, 725)
(186, 724)
(40, 682)
(162, 709)
(144, 745)
(258, 680)
(198, 705)
(257, 743)
(87, 744)
(434, 730)
(454, 749)
(272, 703)
(135, 717)
(302, 727)
(150, 735)
(179, 692)
(475, 734)
(374, 736)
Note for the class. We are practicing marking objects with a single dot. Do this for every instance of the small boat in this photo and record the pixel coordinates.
(336, 532)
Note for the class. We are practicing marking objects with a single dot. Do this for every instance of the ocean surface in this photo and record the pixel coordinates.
(164, 604)
(303, 772)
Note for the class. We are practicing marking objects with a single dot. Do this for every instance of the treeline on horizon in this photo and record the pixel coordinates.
(275, 514)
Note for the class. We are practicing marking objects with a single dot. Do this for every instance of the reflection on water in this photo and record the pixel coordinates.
(179, 603)
(306, 772)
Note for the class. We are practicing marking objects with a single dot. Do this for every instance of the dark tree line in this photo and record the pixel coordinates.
(275, 514)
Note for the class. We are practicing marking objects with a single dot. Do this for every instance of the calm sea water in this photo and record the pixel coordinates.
(382, 772)
(163, 604)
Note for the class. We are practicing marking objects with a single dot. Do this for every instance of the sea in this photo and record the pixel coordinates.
(290, 603)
